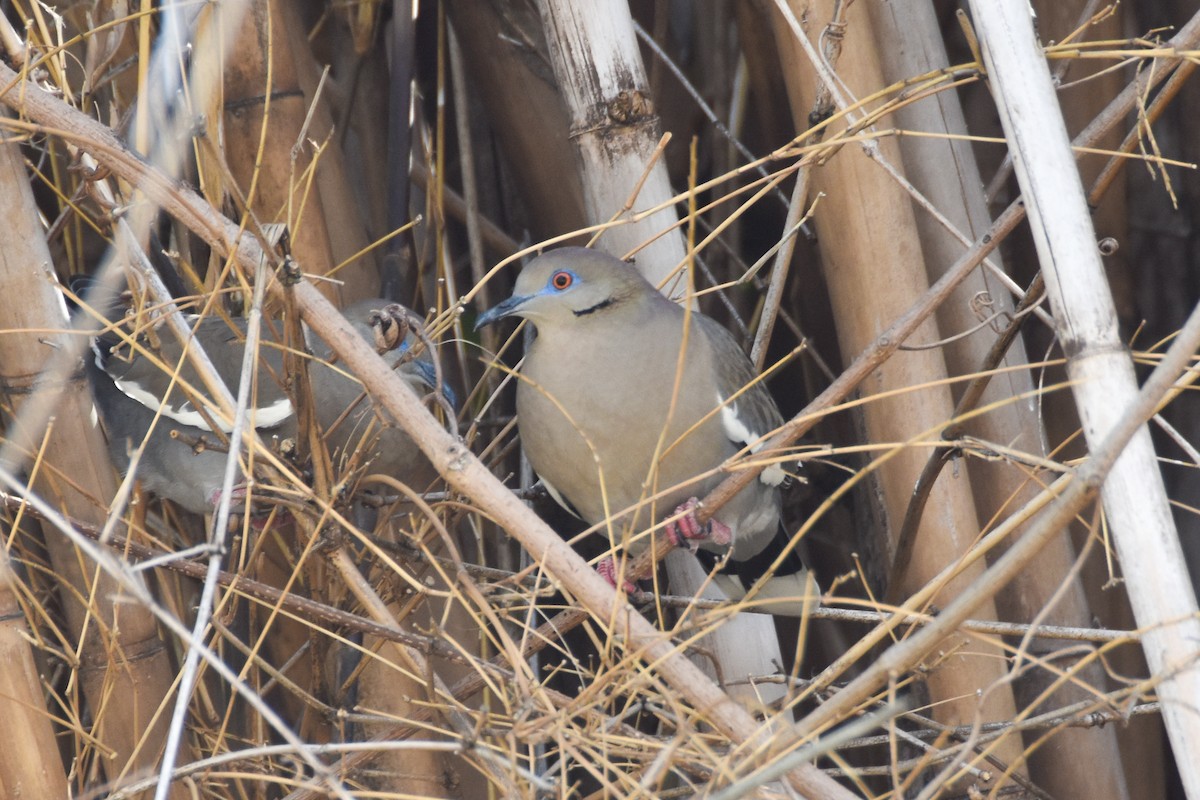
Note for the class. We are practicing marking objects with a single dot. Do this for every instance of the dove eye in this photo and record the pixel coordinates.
(562, 280)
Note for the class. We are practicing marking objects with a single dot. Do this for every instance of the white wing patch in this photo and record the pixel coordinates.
(558, 498)
(739, 434)
(264, 417)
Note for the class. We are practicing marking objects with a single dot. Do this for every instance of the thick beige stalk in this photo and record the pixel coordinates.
(875, 270)
(613, 124)
(1075, 761)
(1135, 500)
(524, 109)
(347, 229)
(262, 87)
(125, 673)
(30, 765)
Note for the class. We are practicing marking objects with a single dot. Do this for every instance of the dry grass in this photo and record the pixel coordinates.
(404, 646)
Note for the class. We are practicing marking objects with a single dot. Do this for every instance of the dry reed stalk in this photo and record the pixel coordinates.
(614, 126)
(30, 765)
(868, 231)
(944, 170)
(122, 663)
(1135, 500)
(265, 137)
(530, 734)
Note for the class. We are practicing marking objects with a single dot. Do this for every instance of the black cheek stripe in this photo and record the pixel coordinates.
(602, 304)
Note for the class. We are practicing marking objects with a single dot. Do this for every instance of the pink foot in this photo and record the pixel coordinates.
(607, 568)
(686, 531)
(258, 514)
(258, 521)
(238, 494)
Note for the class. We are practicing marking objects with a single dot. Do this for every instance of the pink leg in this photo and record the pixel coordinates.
(238, 494)
(258, 521)
(607, 568)
(686, 531)
(258, 516)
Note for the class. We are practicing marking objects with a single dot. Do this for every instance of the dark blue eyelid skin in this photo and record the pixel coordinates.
(429, 378)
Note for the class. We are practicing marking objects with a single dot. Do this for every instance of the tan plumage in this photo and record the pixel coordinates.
(610, 414)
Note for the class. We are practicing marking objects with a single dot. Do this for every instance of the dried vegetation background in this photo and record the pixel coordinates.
(409, 646)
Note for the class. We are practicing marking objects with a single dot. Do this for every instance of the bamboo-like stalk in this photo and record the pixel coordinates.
(30, 765)
(1135, 501)
(265, 126)
(346, 227)
(124, 669)
(944, 170)
(523, 109)
(593, 50)
(867, 228)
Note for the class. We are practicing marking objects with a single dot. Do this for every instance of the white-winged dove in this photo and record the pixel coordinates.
(351, 422)
(610, 414)
(182, 460)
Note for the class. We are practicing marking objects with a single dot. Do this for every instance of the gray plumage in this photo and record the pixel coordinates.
(610, 414)
(129, 389)
(379, 440)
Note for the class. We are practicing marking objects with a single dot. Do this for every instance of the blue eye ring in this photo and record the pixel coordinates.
(561, 280)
